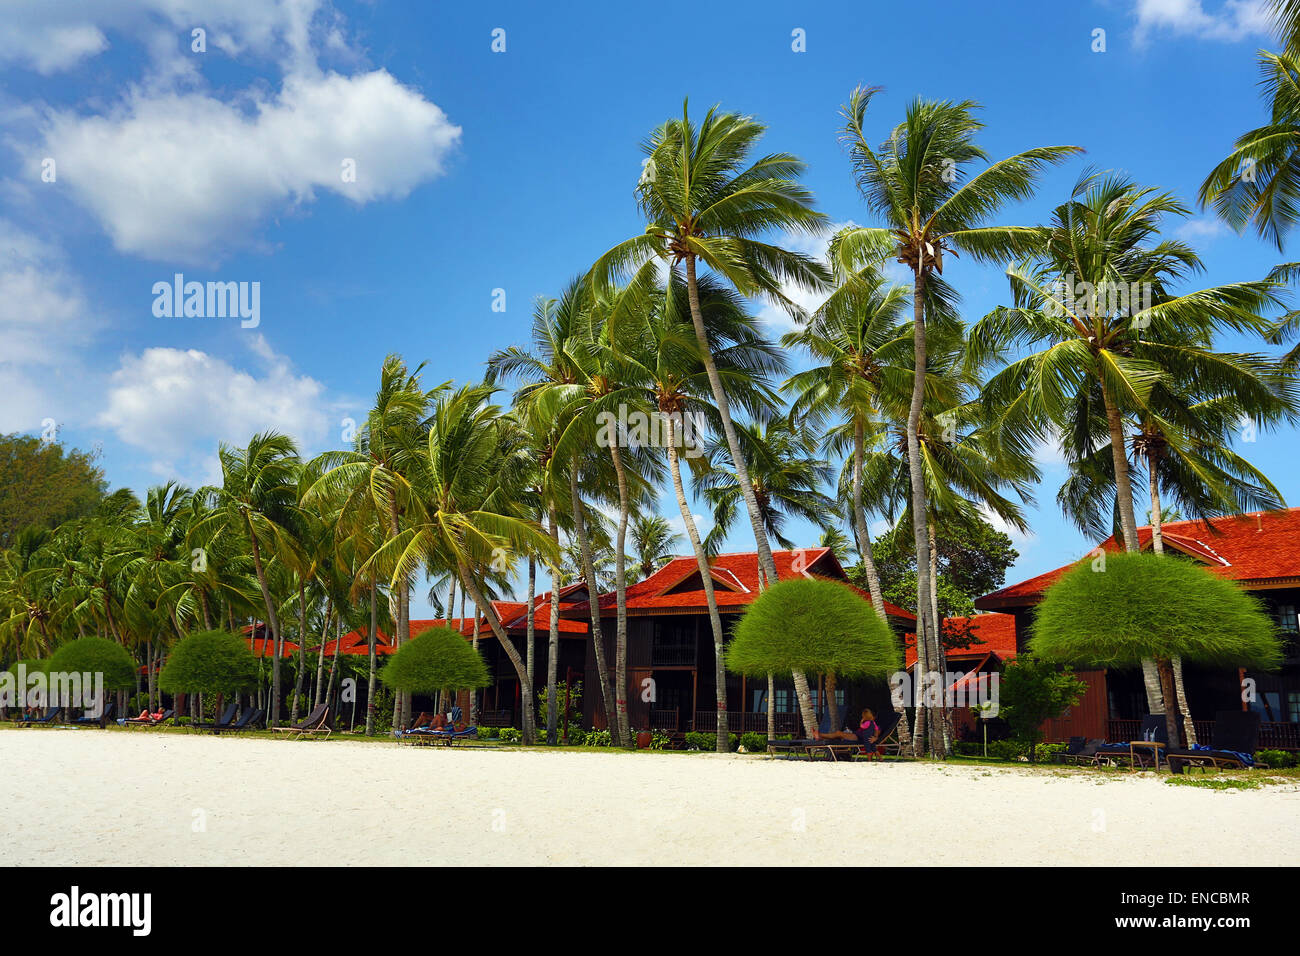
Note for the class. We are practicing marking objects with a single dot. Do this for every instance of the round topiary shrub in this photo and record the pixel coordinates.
(209, 662)
(436, 659)
(1113, 612)
(812, 625)
(96, 655)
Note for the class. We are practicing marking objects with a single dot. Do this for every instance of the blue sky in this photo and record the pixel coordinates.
(479, 170)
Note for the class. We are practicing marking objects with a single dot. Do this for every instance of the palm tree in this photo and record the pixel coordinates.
(372, 480)
(654, 544)
(1258, 183)
(787, 482)
(663, 358)
(917, 184)
(864, 365)
(1098, 296)
(554, 392)
(257, 499)
(471, 482)
(703, 204)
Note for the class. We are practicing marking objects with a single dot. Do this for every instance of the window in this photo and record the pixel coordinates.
(1286, 618)
(783, 701)
(839, 697)
(1293, 705)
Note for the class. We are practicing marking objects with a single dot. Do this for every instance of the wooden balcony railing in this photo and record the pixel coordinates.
(741, 722)
(664, 720)
(1273, 735)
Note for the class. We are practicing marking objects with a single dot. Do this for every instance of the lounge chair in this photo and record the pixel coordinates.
(1154, 729)
(812, 747)
(246, 720)
(1081, 750)
(102, 720)
(223, 721)
(317, 722)
(51, 715)
(148, 721)
(887, 741)
(457, 736)
(1236, 736)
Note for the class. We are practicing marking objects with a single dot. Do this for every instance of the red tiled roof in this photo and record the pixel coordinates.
(1251, 548)
(735, 579)
(265, 647)
(996, 631)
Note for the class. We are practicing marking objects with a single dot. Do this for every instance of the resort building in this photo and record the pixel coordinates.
(670, 657)
(1259, 551)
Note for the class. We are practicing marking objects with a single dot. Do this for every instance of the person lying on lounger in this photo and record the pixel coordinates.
(844, 734)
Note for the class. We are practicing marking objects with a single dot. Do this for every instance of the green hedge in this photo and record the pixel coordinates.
(699, 740)
(1276, 759)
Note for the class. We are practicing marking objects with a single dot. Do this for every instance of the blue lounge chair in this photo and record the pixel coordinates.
(100, 721)
(246, 720)
(1236, 736)
(223, 721)
(51, 715)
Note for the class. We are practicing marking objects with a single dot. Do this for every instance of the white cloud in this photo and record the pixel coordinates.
(1203, 230)
(1021, 539)
(183, 176)
(50, 36)
(1228, 21)
(179, 403)
(44, 322)
(703, 524)
(815, 247)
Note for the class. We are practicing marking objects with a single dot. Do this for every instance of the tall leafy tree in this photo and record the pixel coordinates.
(1099, 300)
(919, 184)
(705, 202)
(257, 499)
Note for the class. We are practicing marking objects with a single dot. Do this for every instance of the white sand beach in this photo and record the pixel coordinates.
(80, 797)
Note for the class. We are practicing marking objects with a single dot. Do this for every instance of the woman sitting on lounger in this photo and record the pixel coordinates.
(868, 730)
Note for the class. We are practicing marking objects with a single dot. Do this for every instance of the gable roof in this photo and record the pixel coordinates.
(669, 591)
(1260, 549)
(995, 634)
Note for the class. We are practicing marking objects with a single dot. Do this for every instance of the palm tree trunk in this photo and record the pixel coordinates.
(589, 576)
(531, 605)
(402, 699)
(1128, 526)
(766, 561)
(370, 690)
(1158, 546)
(805, 703)
(273, 620)
(715, 619)
(860, 526)
(832, 705)
(468, 583)
(320, 667)
(940, 652)
(926, 634)
(553, 642)
(334, 661)
(302, 652)
(473, 692)
(620, 597)
(1166, 671)
(771, 707)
